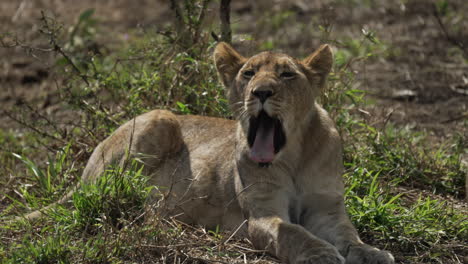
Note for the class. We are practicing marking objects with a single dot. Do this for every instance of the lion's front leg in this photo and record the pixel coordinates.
(367, 254)
(325, 216)
(291, 243)
(266, 206)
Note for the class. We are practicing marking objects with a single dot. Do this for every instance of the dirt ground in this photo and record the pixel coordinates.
(424, 86)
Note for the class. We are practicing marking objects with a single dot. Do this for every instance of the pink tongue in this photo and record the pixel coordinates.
(263, 150)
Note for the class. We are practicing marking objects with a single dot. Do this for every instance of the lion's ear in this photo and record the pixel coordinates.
(228, 62)
(320, 61)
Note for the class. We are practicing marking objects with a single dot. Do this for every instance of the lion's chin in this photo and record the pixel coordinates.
(265, 137)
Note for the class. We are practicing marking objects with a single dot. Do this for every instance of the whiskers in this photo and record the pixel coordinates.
(244, 114)
(236, 104)
(240, 110)
(284, 166)
(244, 110)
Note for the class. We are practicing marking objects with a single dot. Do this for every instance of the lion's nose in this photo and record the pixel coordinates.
(262, 95)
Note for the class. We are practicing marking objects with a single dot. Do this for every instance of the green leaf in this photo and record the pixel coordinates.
(85, 15)
(442, 7)
(31, 166)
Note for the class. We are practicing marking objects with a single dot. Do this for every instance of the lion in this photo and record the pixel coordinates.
(274, 173)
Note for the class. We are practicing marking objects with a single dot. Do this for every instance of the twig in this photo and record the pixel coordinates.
(201, 17)
(92, 109)
(450, 38)
(21, 122)
(460, 117)
(181, 32)
(224, 10)
(179, 19)
(214, 36)
(51, 33)
(235, 232)
(130, 145)
(250, 250)
(28, 49)
(49, 122)
(206, 260)
(19, 11)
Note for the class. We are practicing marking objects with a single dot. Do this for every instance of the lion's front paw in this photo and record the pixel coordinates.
(328, 257)
(323, 260)
(365, 254)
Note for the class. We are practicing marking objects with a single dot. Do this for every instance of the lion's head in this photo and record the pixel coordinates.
(272, 94)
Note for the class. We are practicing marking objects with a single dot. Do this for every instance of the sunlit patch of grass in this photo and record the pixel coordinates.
(403, 158)
(116, 200)
(42, 184)
(50, 249)
(117, 197)
(377, 210)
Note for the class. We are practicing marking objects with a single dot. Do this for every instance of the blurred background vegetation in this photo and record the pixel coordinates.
(72, 73)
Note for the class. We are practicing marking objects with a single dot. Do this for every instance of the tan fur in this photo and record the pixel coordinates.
(294, 208)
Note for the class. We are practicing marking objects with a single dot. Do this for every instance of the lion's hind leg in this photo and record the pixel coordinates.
(149, 138)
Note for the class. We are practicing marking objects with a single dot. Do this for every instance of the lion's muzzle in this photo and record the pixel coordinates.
(265, 138)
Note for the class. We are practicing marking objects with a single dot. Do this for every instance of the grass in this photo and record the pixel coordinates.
(396, 183)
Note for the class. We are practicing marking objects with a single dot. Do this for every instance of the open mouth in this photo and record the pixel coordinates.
(266, 138)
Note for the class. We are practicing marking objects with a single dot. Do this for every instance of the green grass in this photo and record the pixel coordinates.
(50, 249)
(406, 158)
(395, 182)
(100, 210)
(119, 195)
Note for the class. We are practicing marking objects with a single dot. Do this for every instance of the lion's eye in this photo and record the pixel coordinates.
(248, 74)
(287, 75)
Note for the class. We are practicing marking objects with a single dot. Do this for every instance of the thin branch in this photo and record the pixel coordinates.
(181, 31)
(178, 15)
(201, 17)
(43, 117)
(51, 33)
(449, 37)
(224, 10)
(21, 122)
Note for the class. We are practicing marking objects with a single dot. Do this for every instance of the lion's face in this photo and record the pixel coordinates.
(271, 94)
